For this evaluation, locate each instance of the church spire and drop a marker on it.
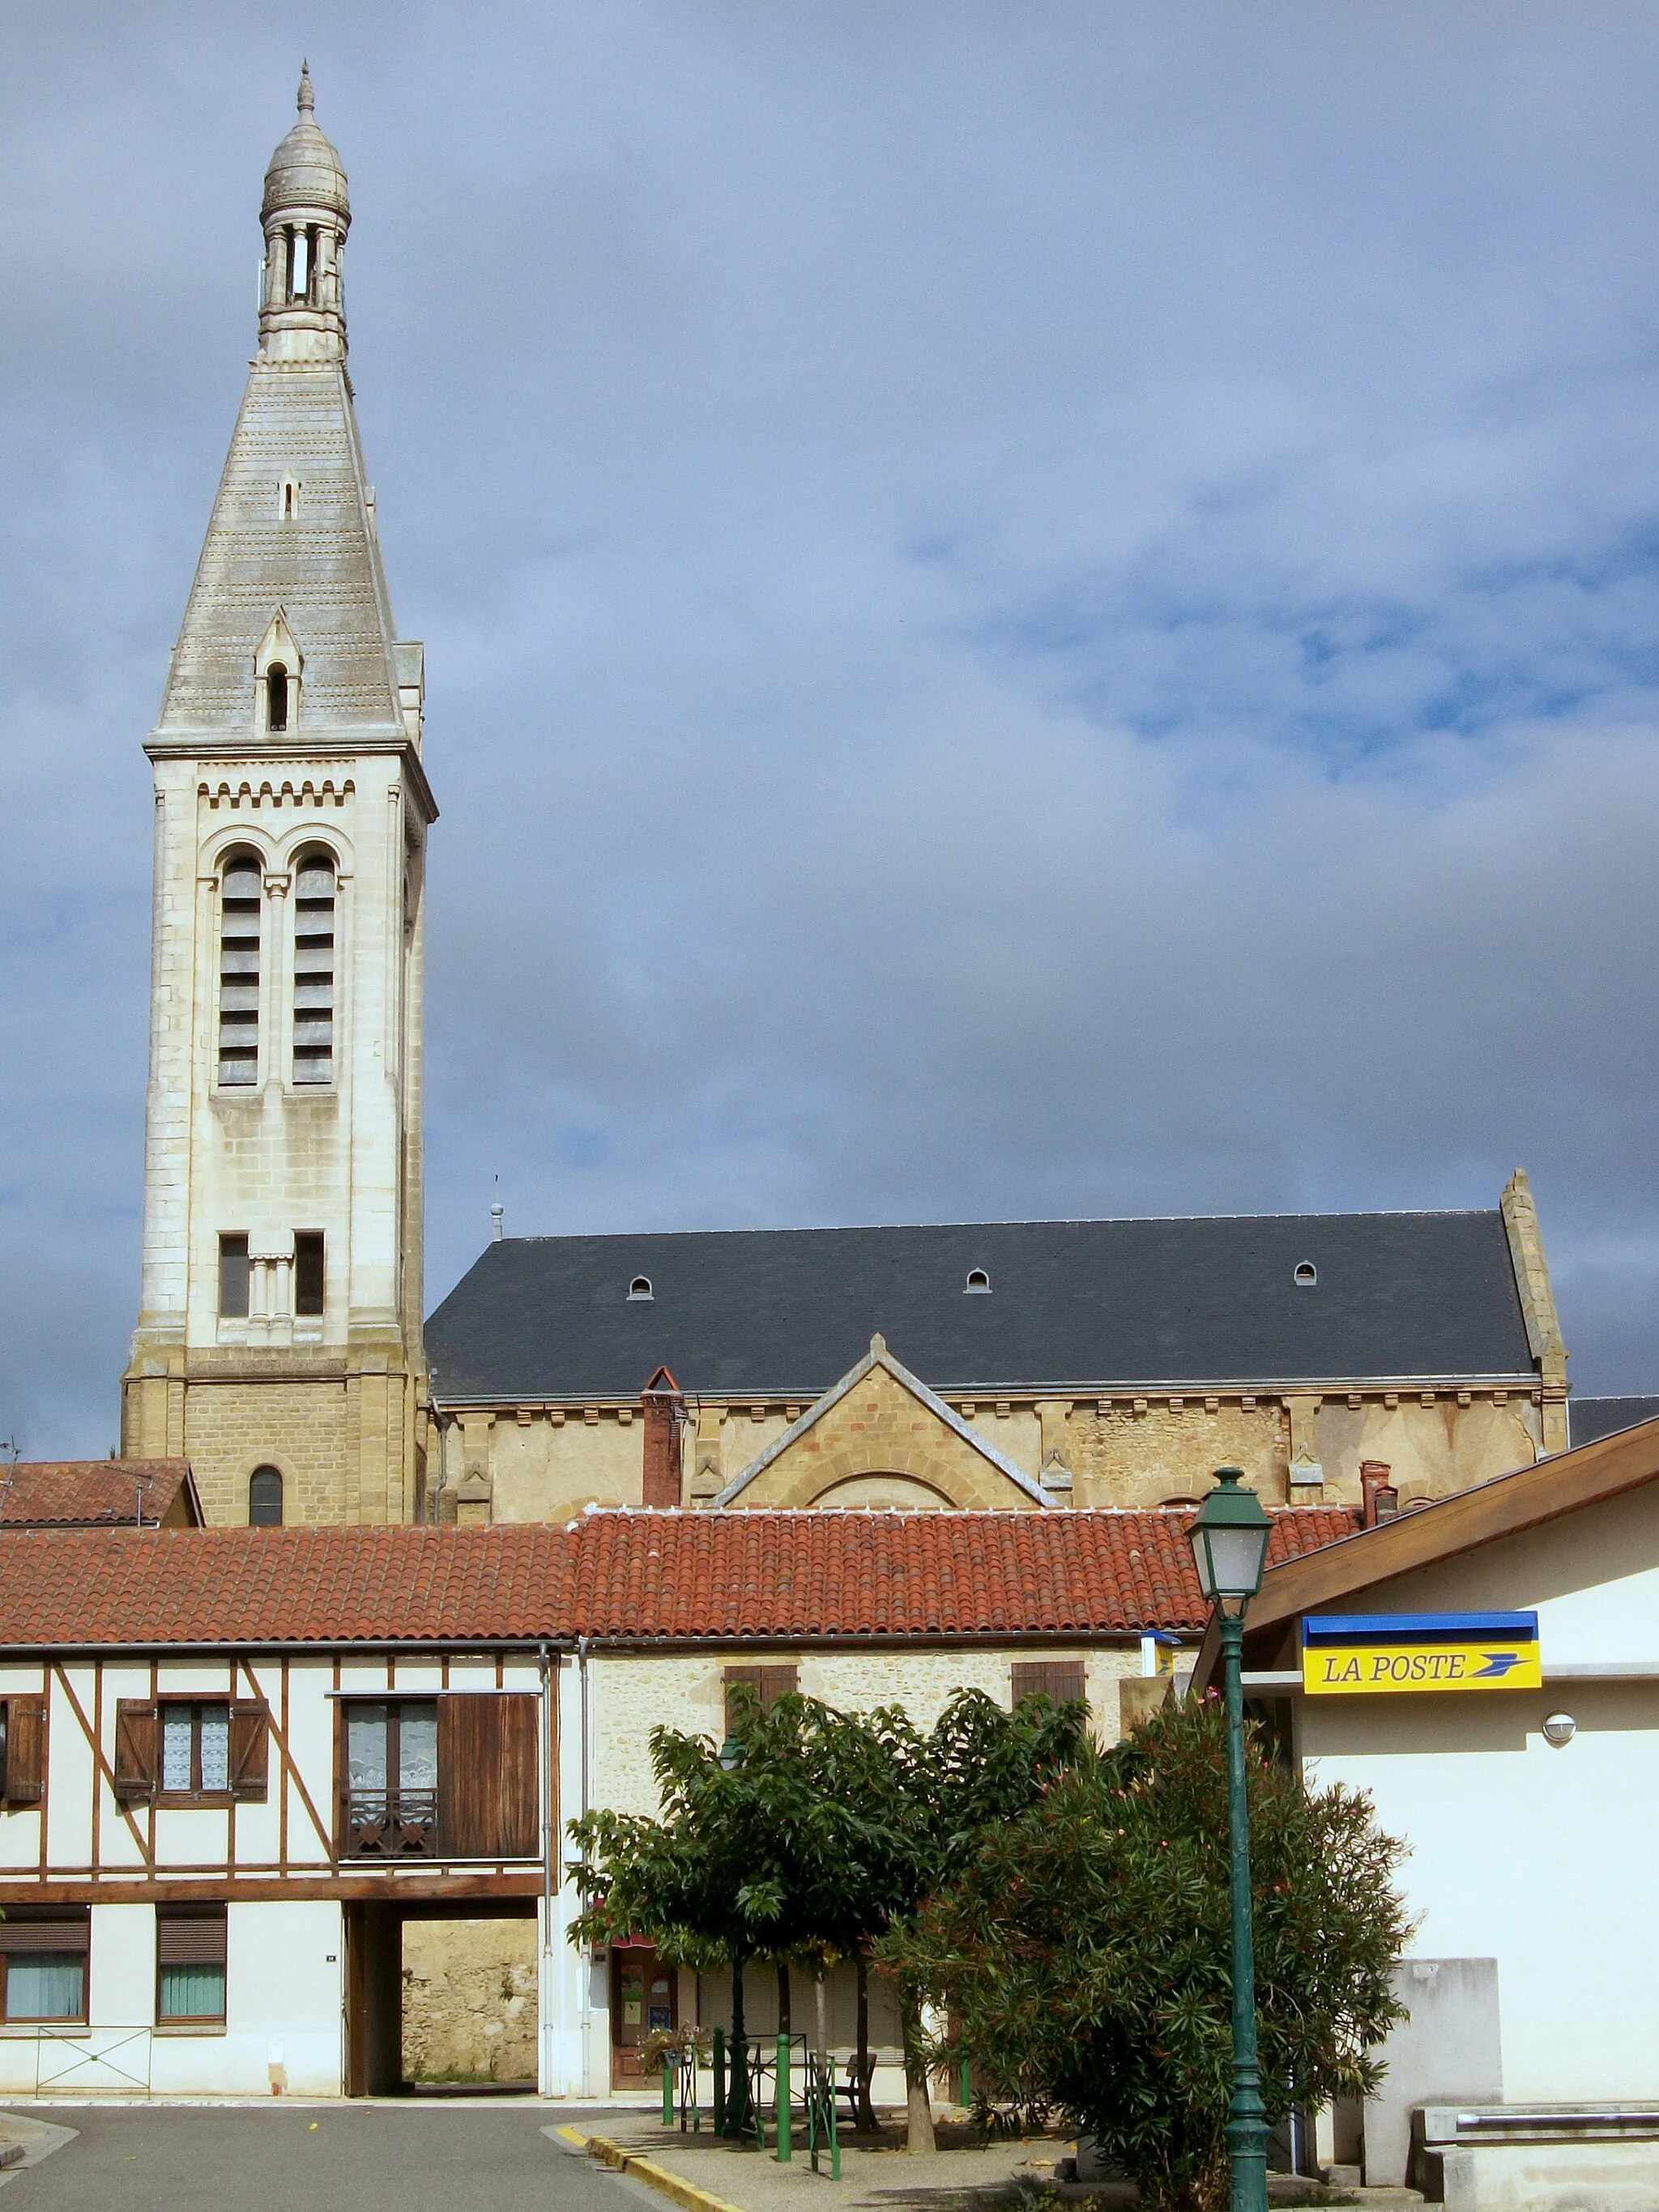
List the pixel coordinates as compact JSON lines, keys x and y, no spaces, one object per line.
{"x":307,"y":213}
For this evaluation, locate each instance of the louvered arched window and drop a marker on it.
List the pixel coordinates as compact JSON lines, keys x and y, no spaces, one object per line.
{"x":238,"y":969}
{"x":314,"y":969}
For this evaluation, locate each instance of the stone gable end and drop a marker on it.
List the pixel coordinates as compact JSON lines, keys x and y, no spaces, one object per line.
{"x":880,"y":1445}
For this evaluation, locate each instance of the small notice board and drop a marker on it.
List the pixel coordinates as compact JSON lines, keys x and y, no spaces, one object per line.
{"x":1372,"y":1654}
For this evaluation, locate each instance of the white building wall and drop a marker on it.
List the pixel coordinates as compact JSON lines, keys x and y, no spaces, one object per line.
{"x":1539,"y":1857}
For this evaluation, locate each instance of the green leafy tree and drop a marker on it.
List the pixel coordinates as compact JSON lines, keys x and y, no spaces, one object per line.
{"x":1082,"y":1949}
{"x":825,"y":1831}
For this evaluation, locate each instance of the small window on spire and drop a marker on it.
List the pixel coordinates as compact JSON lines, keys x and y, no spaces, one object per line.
{"x":287,"y":500}
{"x":300,"y":243}
{"x":277,"y":697}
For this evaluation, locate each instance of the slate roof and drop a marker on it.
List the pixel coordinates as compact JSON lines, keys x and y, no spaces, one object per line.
{"x":1074,"y":1306}
{"x":95,"y":1492}
{"x":632,"y":1574}
{"x":1590,"y":1418}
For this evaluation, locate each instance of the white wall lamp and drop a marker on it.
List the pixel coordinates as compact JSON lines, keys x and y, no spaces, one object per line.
{"x":1559,"y":1729}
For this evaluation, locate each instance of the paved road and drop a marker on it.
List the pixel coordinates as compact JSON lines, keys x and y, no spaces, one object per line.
{"x":352,"y":2158}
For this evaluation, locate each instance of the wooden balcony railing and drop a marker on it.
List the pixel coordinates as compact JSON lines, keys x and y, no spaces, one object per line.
{"x":391,"y":1824}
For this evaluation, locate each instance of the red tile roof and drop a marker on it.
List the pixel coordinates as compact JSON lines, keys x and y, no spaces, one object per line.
{"x":671,"y":1575}
{"x":788,"y":1575}
{"x":92,"y":1493}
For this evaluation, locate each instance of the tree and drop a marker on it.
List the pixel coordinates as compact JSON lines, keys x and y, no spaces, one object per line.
{"x":827,"y":1830}
{"x":1082,"y":1950}
{"x":787,"y":1852}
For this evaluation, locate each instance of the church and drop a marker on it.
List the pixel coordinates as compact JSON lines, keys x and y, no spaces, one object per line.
{"x":281,"y":1346}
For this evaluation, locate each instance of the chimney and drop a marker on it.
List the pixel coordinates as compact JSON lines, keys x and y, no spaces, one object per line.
{"x":663,"y":1413}
{"x":1379,"y":1499}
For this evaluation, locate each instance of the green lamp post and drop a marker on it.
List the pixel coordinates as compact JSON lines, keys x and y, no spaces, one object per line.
{"x":1229,"y":1547}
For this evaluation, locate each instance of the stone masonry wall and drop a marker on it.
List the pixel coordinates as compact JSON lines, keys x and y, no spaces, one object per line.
{"x":231,"y":1428}
{"x":469,"y":1991}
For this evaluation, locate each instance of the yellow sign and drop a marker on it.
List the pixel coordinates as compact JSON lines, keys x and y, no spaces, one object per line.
{"x":1360,"y":1654}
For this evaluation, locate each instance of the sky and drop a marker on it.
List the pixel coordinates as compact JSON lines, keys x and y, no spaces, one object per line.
{"x":1031,"y":609}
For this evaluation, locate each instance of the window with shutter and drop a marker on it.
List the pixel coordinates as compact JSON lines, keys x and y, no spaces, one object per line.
{"x":44,"y":1957}
{"x":190,"y":1965}
{"x":488,"y":1780}
{"x":388,"y":1766}
{"x":250,"y":1736}
{"x":25,"y":1722}
{"x":1058,"y":1680}
{"x":769,"y":1683}
{"x":138,"y":1747}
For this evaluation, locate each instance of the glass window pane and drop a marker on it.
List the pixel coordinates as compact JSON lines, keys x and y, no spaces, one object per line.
{"x":417,"y":1748}
{"x":365,"y":1747}
{"x":215,"y":1746}
{"x":44,"y":1986}
{"x":193,"y":1992}
{"x":175,"y":1747}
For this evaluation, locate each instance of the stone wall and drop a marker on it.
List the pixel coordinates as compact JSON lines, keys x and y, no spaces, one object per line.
{"x":469,"y":2000}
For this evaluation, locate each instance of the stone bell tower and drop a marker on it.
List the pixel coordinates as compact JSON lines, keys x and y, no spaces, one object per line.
{"x":278,"y":1347}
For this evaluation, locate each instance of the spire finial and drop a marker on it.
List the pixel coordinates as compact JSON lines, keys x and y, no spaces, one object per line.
{"x":308,"y":98}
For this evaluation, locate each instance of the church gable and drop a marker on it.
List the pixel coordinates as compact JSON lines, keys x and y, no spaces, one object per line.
{"x":881,"y":1438}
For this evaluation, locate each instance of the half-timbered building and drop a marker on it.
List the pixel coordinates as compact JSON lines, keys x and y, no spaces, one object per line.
{"x":245,"y":1772}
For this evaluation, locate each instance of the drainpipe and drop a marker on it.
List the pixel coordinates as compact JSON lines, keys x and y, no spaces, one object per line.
{"x":587,"y":1971}
{"x":549,"y":2011}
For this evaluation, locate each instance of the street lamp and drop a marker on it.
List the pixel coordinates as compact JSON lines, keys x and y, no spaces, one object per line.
{"x":1230,"y":1549}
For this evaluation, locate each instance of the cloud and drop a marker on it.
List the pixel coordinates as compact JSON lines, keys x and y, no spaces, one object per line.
{"x":1035,"y":611}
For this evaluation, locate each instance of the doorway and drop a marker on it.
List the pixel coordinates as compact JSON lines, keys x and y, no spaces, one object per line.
{"x":644,"y":2002}
{"x":436,"y":2005}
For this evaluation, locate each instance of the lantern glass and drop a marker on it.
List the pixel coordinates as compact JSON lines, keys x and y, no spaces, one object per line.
{"x":1230,"y":1540}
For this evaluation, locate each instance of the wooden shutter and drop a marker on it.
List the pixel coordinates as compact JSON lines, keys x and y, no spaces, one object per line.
{"x":250,"y":1737}
{"x":1060,"y":1679}
{"x":137,"y":1742}
{"x":25,"y":1747}
{"x":770,"y":1683}
{"x":191,"y":1939}
{"x":488,"y":1797}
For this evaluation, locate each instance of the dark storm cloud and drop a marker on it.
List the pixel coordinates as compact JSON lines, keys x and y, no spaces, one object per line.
{"x":1028,"y":610}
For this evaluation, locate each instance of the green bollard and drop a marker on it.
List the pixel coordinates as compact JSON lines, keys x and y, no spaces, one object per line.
{"x":966,"y":2085}
{"x":719,"y":2081}
{"x":783,"y":2100}
{"x":667,"y":2091}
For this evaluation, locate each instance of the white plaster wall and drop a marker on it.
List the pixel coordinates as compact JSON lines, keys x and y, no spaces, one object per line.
{"x":1540,"y":1858}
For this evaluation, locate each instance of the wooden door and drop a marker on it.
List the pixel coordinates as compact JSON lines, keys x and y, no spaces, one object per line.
{"x":644,"y":2000}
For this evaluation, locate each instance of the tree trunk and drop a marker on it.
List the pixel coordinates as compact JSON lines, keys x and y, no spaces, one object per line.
{"x":737,"y":2102}
{"x":918,"y":2112}
{"x":783,"y":1996}
{"x":867,"y":2116}
{"x":821,"y":2004}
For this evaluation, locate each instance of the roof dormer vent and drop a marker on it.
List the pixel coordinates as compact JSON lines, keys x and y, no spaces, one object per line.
{"x":978,"y":1281}
{"x":1306,"y":1276}
{"x":641,"y":1287}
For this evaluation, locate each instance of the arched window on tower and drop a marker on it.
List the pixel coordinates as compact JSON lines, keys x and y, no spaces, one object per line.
{"x":301,"y":262}
{"x":277,"y":697}
{"x":238,"y":969}
{"x":314,"y":969}
{"x":264,"y":1498}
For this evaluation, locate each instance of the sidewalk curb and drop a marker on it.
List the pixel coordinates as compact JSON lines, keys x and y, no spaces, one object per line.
{"x":680,"y":2191}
